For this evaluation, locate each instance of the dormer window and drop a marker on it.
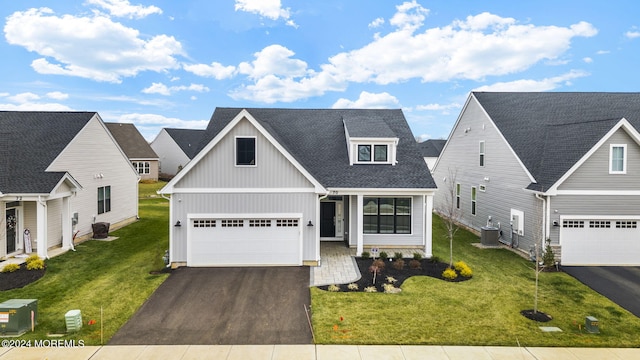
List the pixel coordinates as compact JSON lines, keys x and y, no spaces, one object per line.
{"x":379,"y":153}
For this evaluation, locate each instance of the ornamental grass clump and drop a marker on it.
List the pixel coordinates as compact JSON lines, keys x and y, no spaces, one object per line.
{"x":449,"y":274}
{"x":463,"y":269}
{"x":9,"y":268}
{"x":370,"y":289}
{"x":353,"y":287}
{"x":415,"y":264}
{"x":398,"y":264}
{"x":390,"y":289}
{"x":376,"y":268}
{"x":333,"y":288}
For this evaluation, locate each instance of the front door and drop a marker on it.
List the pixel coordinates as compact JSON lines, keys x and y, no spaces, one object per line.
{"x":327,"y":219}
{"x":12,"y":232}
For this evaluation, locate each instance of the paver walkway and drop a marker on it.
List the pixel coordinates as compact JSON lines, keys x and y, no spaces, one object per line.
{"x":338,"y":266}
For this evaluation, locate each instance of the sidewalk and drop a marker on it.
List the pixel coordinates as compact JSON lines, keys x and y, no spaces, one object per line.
{"x":319,"y":352}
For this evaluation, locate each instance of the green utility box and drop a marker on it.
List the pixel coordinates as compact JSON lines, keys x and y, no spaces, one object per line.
{"x":17,"y":316}
{"x":591,"y":325}
{"x":73,"y":319}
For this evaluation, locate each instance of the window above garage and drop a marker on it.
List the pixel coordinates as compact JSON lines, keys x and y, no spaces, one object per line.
{"x":618,"y":159}
{"x":245,"y":151}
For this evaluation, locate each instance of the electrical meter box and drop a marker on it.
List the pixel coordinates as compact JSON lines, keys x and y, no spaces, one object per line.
{"x":591,"y":325}
{"x":17,"y":316}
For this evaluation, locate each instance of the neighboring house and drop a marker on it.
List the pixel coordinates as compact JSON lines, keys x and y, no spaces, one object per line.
{"x":268,"y":185}
{"x":59,"y":173}
{"x":175,"y":148}
{"x":557,"y":166}
{"x":137,"y":149}
{"x":431,"y":150}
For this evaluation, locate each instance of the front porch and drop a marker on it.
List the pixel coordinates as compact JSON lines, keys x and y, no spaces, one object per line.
{"x":338,"y":265}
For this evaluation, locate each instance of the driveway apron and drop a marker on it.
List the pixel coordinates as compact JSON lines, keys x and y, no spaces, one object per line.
{"x":223,"y":306}
{"x":621,"y":284}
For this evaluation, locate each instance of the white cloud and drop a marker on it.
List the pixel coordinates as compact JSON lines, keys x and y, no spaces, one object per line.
{"x":438,"y":107}
{"x":271,"y":9}
{"x":632,"y":34}
{"x":122,"y":8}
{"x":587,"y":60}
{"x":162,"y":89}
{"x":471,"y":49}
{"x":368,"y":100}
{"x":215,"y":70}
{"x":603,"y":52}
{"x":535,"y":85}
{"x":57,"y":95}
{"x":28,"y":101}
{"x":91,"y":47}
{"x":376,"y":23}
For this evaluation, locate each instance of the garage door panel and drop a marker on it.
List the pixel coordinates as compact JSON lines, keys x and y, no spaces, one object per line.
{"x":600,"y":242}
{"x":244,"y":242}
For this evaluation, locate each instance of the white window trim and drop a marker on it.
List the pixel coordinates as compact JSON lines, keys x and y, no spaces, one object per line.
{"x":410,"y":233}
{"x":624,"y":158}
{"x":235,"y":151}
{"x":474,"y":201}
{"x":458,"y":191}
{"x":391,"y":144}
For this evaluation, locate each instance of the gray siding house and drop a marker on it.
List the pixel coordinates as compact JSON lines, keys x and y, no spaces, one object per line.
{"x":268,"y":185}
{"x":60,"y":172}
{"x":175,"y":148}
{"x":557,"y":166}
{"x":137,"y":149}
{"x":431,"y":150}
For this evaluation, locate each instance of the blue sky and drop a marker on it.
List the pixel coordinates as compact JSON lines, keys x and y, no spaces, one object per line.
{"x":169,"y":63}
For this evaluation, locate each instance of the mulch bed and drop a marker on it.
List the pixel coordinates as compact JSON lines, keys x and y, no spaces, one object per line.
{"x":538,"y":316}
{"x":427,"y":268}
{"x":19,"y":278}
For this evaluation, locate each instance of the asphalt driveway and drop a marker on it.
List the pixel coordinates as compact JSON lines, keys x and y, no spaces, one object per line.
{"x":212,"y":306}
{"x":621,"y":284}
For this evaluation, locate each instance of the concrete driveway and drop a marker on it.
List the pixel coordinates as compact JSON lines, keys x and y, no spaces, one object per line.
{"x":222,"y":306}
{"x":621,"y":284}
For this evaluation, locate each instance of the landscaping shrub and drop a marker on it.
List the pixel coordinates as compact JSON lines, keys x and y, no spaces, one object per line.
{"x":417,"y":256}
{"x":463,"y":268}
{"x":398,"y":264}
{"x":434,"y":259}
{"x":352,"y":287}
{"x":384,"y":255}
{"x":390,"y":289}
{"x":9,"y":268}
{"x":365,"y":255}
{"x":31,"y":258}
{"x":37,"y":264}
{"x":415,"y":264}
{"x":391,"y":280}
{"x":549,"y":258}
{"x":333,"y":288}
{"x":379,"y":264}
{"x":370,"y":289}
{"x":449,"y":274}
{"x":397,"y":255}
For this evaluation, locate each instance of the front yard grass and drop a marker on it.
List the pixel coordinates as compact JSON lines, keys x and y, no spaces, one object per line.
{"x":112,"y":276}
{"x":482,"y":311}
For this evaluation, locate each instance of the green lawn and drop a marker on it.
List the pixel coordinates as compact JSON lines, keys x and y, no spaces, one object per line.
{"x":482,"y":311}
{"x":112,"y":276}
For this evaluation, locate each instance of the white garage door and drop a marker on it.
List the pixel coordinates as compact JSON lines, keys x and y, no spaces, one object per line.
{"x":600,"y":241}
{"x":244,"y":241}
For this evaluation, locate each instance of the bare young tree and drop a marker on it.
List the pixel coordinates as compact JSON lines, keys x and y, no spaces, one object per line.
{"x":451,"y":209}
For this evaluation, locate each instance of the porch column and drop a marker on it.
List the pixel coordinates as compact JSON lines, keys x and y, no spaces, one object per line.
{"x":428,"y":216}
{"x":359,"y":225}
{"x":67,"y":232}
{"x":41,"y":228}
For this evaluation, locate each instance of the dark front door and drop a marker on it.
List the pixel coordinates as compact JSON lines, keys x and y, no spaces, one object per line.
{"x":11,"y":222}
{"x":327,"y":219}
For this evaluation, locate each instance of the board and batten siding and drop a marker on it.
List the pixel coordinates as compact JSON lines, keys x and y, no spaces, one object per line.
{"x":593,"y":174}
{"x":171,"y":156}
{"x":217,"y":168}
{"x":93,"y":152}
{"x":416,"y":238}
{"x":243,"y":203}
{"x":502,"y":176}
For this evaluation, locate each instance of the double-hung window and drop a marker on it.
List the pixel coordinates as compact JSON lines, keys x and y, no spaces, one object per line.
{"x":481,"y":152}
{"x":618,"y":159}
{"x":474,"y":197}
{"x":458,"y":190}
{"x":245,"y":151}
{"x":143,"y":167}
{"x":387,"y":215}
{"x":104,"y":199}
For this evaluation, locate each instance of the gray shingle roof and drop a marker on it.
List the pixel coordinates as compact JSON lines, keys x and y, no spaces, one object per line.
{"x":316,"y":138}
{"x":131,"y":141}
{"x":187,"y":139}
{"x":431,"y":147}
{"x":551,"y":131}
{"x":29,"y":142}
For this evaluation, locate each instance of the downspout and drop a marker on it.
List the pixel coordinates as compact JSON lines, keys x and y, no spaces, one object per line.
{"x":162,"y":195}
